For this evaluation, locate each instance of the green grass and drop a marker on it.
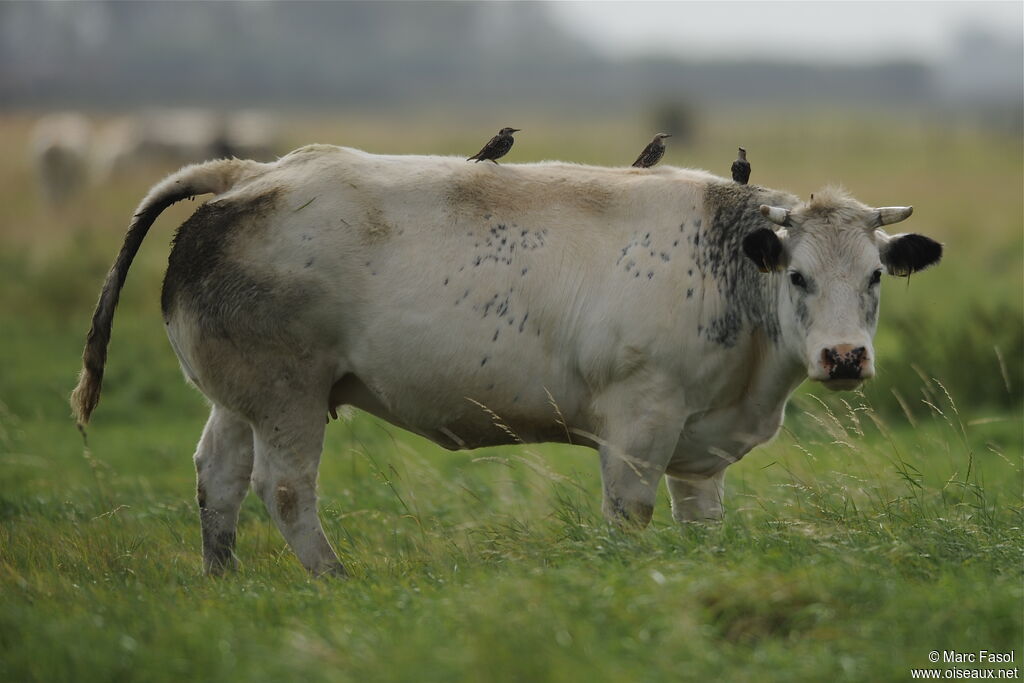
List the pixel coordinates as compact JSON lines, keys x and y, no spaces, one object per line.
{"x":875,"y":528}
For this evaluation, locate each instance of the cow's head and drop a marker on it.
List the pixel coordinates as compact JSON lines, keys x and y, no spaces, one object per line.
{"x":829,"y":256}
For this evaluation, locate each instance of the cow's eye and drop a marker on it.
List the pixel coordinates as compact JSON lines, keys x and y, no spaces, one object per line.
{"x":797,"y":279}
{"x":876,"y":277}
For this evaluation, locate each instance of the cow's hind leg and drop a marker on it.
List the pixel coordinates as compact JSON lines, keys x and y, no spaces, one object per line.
{"x":223,"y":466}
{"x":288,"y":448}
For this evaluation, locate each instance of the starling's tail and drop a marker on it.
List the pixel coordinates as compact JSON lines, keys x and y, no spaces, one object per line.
{"x":212,"y":176}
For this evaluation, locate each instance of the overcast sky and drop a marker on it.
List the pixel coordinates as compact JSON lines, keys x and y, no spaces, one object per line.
{"x":805,"y":31}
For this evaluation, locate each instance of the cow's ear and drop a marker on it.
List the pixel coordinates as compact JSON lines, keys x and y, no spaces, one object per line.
{"x":907,"y":253}
{"x":764,"y":248}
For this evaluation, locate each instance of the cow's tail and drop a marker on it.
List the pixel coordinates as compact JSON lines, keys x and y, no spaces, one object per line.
{"x":213,"y":176}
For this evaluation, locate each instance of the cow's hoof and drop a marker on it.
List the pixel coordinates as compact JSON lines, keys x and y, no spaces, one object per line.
{"x":628,"y":515}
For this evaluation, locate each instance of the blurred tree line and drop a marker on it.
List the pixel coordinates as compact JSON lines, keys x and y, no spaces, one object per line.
{"x":114,"y":55}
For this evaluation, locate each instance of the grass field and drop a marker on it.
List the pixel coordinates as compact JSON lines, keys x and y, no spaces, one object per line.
{"x":876,"y":528}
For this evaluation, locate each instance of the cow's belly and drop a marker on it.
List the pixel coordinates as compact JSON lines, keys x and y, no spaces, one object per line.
{"x":462,"y":392}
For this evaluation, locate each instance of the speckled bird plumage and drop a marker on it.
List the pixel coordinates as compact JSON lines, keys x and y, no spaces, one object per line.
{"x":652,"y":153}
{"x":496,"y":147}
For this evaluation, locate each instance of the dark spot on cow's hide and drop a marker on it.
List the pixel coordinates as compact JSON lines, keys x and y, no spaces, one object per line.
{"x":287,"y":503}
{"x":869,"y":306}
{"x":446,"y":282}
{"x":230,"y":298}
{"x":734,"y":212}
{"x":689,"y":293}
{"x":803,"y":315}
{"x":495,"y":337}
{"x":502,"y":307}
{"x":488,"y":304}
{"x":309,"y":263}
{"x":201,"y":495}
{"x":483,"y":361}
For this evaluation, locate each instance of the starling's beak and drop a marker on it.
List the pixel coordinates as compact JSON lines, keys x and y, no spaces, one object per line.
{"x":516,"y":130}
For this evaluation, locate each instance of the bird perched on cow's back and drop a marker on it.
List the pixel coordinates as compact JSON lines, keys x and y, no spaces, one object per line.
{"x":741,"y":168}
{"x":496,"y":147}
{"x":653,"y":152}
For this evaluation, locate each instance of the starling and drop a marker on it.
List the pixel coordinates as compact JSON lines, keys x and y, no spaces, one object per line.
{"x":653,"y":152}
{"x":497,"y":147}
{"x":741,"y":168}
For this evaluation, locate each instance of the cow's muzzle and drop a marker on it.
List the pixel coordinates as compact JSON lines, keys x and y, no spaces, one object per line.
{"x":844,"y":366}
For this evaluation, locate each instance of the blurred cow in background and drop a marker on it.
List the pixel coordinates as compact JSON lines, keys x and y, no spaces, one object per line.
{"x":60,"y":147}
{"x":174,"y":137}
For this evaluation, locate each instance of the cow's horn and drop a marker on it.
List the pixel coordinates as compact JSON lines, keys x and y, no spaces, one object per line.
{"x":775,"y":214}
{"x":887,"y":215}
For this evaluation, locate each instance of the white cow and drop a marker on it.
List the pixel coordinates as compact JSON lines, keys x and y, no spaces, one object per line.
{"x":60,"y":145}
{"x":662,"y":316}
{"x":181,"y":136}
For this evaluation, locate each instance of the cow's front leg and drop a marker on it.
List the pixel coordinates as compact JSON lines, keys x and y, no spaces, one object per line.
{"x":223,"y":466}
{"x":697,"y":499}
{"x":630,"y":485}
{"x":638,"y":444}
{"x":284,"y":476}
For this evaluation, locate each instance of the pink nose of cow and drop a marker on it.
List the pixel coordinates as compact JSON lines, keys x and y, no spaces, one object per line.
{"x":844,"y":361}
